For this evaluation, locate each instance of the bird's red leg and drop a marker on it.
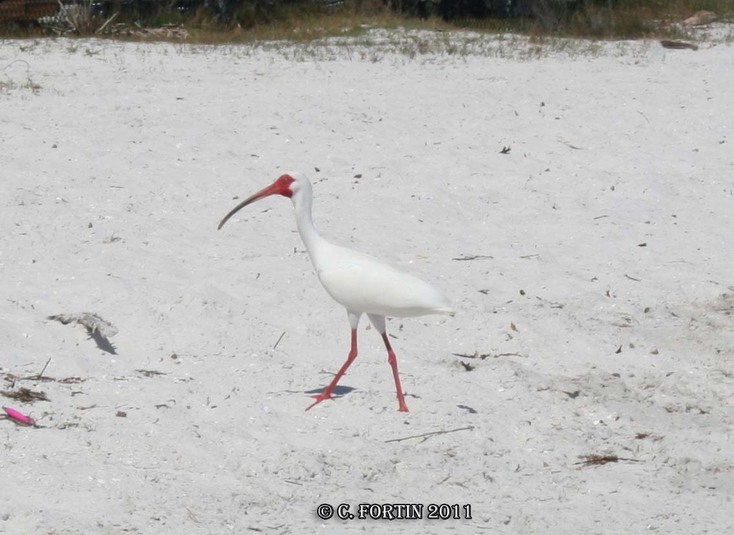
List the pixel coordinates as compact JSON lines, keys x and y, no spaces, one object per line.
{"x":326,"y":394}
{"x":394,"y":365}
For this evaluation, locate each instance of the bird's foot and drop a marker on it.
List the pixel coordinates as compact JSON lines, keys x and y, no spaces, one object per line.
{"x":403,"y":407}
{"x":319,"y":398}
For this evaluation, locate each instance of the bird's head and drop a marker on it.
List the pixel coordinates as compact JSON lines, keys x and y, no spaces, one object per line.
{"x":288,"y":185}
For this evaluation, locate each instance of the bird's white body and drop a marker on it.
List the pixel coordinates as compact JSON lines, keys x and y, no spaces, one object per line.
{"x":359,"y":282}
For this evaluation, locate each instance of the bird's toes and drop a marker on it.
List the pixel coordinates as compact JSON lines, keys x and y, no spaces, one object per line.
{"x":319,"y":398}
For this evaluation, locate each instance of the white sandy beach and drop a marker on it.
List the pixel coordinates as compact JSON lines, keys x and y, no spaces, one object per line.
{"x":591,"y":268}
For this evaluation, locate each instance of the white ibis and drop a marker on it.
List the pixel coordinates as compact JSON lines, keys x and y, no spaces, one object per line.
{"x":359,"y":282}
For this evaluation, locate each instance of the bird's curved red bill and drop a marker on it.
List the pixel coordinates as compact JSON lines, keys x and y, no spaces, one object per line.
{"x":276,"y":188}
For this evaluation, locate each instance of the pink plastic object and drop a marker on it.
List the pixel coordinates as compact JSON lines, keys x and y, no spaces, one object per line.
{"x":18,"y":417}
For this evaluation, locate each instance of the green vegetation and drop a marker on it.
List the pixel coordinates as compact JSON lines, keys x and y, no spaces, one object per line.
{"x":306,"y":20}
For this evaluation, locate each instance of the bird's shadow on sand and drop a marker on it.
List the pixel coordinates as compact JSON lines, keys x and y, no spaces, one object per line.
{"x":338,"y":391}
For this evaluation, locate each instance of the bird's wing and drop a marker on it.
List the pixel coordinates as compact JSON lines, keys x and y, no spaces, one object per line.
{"x":362,"y":283}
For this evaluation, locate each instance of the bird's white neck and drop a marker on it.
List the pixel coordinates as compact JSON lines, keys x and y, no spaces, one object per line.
{"x":302,"y":201}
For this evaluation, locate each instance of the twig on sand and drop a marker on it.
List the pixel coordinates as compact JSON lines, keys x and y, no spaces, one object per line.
{"x":569,"y":145}
{"x":596,"y":460}
{"x":150,"y":373}
{"x":44,"y":367}
{"x":476,"y":355}
{"x":483,"y":356}
{"x":279,"y":339}
{"x":426,"y":436}
{"x":38,"y":376}
{"x":472,"y":257}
